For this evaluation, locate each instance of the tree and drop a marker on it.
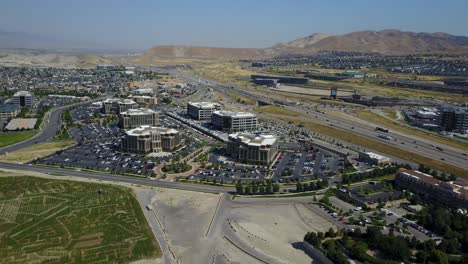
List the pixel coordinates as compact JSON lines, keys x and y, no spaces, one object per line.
{"x":299,"y":187}
{"x":276,"y":187}
{"x":239,"y":188}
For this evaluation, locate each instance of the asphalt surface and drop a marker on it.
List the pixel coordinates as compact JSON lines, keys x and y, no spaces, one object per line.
{"x":411,"y":143}
{"x":51,"y":124}
{"x":117,"y":178}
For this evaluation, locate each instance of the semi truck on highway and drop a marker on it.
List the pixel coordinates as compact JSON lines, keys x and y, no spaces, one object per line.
{"x":381,"y":129}
{"x":384,"y":137}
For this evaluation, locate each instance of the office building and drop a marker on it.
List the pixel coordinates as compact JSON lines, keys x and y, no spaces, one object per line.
{"x":454,"y":119}
{"x":23,"y":99}
{"x":252,"y":148}
{"x":453,"y":193}
{"x":202,"y":110}
{"x":117,"y":106}
{"x":148,"y":139}
{"x":234,"y":121}
{"x":144,"y":100}
{"x":133,"y":118}
{"x":8,"y":111}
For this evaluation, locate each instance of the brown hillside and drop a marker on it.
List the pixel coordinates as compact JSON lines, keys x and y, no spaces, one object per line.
{"x":192,"y":52}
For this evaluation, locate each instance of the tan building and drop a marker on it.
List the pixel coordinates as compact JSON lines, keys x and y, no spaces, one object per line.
{"x":133,"y":118}
{"x":251,"y":148}
{"x":144,"y":100}
{"x":146,"y":139}
{"x":8,"y":111}
{"x":453,"y":193}
{"x":116,"y":106}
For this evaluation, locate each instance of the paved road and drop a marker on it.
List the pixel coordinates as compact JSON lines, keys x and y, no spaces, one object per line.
{"x":51,"y":124}
{"x":411,"y":143}
{"x":118,"y":178}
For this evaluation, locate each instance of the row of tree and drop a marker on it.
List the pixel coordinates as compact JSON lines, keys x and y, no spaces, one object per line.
{"x":266,"y":187}
{"x":311,"y":186}
{"x":441,"y":176}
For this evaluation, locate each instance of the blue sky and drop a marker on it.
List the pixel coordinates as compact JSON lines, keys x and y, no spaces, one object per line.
{"x":139,"y":24}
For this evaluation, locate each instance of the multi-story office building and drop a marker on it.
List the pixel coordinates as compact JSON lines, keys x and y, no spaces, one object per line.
{"x":8,"y":111}
{"x":146,"y":139}
{"x":144,"y":100}
{"x":133,"y":118}
{"x":234,"y":121}
{"x":117,"y":106}
{"x":454,"y":119}
{"x":251,"y":148}
{"x":23,"y":99}
{"x":202,"y":110}
{"x":454,"y":193}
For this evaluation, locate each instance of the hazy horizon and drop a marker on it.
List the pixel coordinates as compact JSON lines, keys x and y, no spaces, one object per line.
{"x":141,"y":24}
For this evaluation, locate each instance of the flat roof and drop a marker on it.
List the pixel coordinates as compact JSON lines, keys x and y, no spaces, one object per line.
{"x":254,"y":139}
{"x":139,"y":111}
{"x":18,"y":123}
{"x":376,"y":156}
{"x":234,"y":114}
{"x":148,"y":130}
{"x":204,"y":105}
{"x":119,"y":101}
{"x":8,"y":108}
{"x":22,"y":93}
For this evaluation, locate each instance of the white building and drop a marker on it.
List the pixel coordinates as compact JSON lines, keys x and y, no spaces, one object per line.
{"x":234,"y":121}
{"x":146,"y":139}
{"x":202,"y":110}
{"x":23,"y":99}
{"x":133,"y":118}
{"x":117,"y":106}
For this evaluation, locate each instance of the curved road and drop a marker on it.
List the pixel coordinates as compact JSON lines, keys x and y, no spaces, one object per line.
{"x":51,"y":124}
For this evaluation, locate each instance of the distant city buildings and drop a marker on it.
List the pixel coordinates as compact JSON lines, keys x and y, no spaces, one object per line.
{"x":234,"y":121}
{"x":202,"y":110}
{"x":117,"y":106}
{"x":252,"y":148}
{"x":8,"y":111}
{"x":133,"y":118}
{"x":23,"y":99}
{"x":454,"y":193}
{"x":147,"y":139}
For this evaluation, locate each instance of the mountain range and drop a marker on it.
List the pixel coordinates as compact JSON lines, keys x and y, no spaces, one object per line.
{"x":385,"y":41}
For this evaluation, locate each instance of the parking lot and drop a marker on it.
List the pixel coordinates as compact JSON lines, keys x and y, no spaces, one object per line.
{"x":305,"y":165}
{"x":231,"y":174}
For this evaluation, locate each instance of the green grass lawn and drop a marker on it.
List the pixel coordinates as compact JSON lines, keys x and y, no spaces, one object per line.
{"x":56,"y":221}
{"x":8,"y":138}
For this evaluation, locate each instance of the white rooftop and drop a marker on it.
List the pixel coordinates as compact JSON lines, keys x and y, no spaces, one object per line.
{"x":376,"y":156}
{"x":255,"y":140}
{"x":120,"y":101}
{"x":204,"y":105}
{"x":139,"y":111}
{"x":148,"y":130}
{"x":22,"y":93}
{"x":234,"y":114}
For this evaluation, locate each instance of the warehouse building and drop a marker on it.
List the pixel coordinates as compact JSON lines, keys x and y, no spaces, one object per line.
{"x":23,"y":99}
{"x":234,"y":121}
{"x":8,"y":111}
{"x":133,"y":118}
{"x":202,"y":110}
{"x":148,"y":139}
{"x":373,"y":158}
{"x":116,"y":106}
{"x":252,"y":148}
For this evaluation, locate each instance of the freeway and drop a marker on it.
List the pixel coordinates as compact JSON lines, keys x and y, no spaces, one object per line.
{"x":117,"y":178}
{"x":51,"y":124}
{"x":411,"y":143}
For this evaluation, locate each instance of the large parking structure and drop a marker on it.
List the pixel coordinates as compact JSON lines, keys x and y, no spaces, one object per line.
{"x":56,"y":221}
